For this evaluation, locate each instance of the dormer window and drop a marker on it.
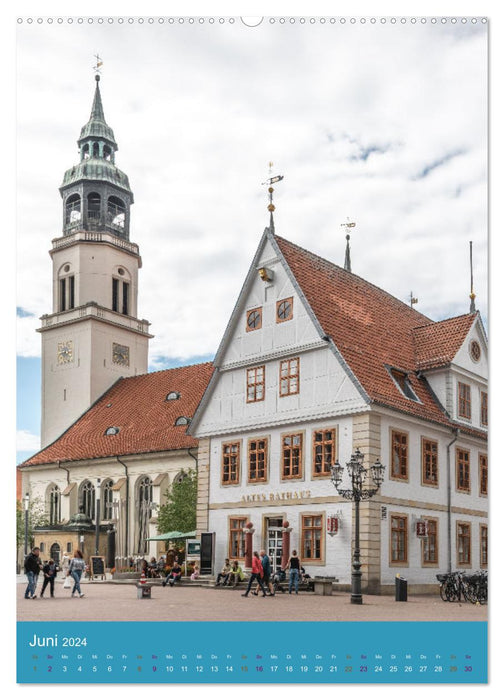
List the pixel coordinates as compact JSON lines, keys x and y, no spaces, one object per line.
{"x":112,"y":430}
{"x":403,"y":383}
{"x":182,"y":420}
{"x":172,"y":396}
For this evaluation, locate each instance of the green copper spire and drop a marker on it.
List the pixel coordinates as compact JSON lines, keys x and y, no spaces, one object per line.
{"x":97,"y":127}
{"x":96,"y":194}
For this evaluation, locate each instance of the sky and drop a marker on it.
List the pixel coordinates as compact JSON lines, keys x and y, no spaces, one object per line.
{"x":382,"y":124}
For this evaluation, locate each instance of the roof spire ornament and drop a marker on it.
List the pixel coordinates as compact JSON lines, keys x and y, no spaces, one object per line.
{"x":271,"y":207}
{"x":96,"y":68}
{"x":349,"y":224}
{"x":472,"y":295}
{"x":412,"y":300}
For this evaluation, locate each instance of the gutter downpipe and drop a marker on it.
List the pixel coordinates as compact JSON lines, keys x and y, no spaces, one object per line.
{"x":456,"y":433}
{"x":68,"y":483}
{"x":126,"y":534}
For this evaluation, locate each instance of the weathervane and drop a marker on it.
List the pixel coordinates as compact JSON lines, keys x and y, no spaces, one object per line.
{"x":412,"y":299}
{"x":99,"y":64}
{"x":270,"y":181}
{"x":472,"y":295}
{"x":349,"y":224}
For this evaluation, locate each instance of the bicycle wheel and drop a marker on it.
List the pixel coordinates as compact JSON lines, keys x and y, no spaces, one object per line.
{"x":451,"y":591}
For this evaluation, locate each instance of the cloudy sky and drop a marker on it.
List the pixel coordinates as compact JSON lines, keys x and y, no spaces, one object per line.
{"x":383,"y":123}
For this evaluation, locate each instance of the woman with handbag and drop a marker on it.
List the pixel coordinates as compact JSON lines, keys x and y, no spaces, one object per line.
{"x":75,"y":570}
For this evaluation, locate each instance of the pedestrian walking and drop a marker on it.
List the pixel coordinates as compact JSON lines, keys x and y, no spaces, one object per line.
{"x":266,"y":577}
{"x":32,"y":567}
{"x":49,"y":570}
{"x":75,"y":570}
{"x":257,"y":573}
{"x":294,"y":570}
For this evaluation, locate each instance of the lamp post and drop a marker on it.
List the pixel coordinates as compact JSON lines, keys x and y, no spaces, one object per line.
{"x":97,"y":518}
{"x":26,"y":500}
{"x":357,"y":493}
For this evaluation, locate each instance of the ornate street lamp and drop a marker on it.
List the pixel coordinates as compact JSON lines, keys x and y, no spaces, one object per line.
{"x":357,"y":493}
{"x":97,"y":518}
{"x":26,"y":500}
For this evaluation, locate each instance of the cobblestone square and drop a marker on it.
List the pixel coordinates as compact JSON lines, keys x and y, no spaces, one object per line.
{"x":118,"y":602}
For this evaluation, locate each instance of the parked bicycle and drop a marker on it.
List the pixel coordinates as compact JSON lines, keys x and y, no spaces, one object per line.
{"x":456,"y":585}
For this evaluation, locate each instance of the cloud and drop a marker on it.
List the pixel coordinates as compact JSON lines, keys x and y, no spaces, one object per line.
{"x":27,"y":442}
{"x":382,"y":124}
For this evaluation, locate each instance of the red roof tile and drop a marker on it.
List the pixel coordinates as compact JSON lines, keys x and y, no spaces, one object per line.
{"x":371,"y":329}
{"x":137,"y":406}
{"x":437,"y":343}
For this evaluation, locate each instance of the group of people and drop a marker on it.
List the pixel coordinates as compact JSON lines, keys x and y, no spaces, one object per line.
{"x":230,"y":574}
{"x":261,"y":574}
{"x":34,"y":567}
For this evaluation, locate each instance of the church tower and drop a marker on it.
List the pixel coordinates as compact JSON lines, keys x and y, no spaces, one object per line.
{"x":93,"y":336}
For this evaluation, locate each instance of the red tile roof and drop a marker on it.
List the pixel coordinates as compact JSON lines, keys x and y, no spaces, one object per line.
{"x":437,"y":343}
{"x":372,"y":330}
{"x":137,"y":406}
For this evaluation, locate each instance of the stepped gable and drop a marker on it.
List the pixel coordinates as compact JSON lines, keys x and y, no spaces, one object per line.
{"x":138,"y":407}
{"x":436,"y":344}
{"x":370,"y":328}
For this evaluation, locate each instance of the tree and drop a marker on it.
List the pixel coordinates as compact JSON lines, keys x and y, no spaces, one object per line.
{"x":37,"y":517}
{"x":179,"y":511}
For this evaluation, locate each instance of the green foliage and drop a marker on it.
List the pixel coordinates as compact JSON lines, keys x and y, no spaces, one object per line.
{"x":37,"y":517}
{"x":179,"y":511}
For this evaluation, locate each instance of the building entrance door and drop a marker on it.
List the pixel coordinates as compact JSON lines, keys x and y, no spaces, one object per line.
{"x":274,"y":542}
{"x":55,"y":553}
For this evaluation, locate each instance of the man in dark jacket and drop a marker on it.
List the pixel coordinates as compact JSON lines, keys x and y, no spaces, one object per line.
{"x":32,"y":566}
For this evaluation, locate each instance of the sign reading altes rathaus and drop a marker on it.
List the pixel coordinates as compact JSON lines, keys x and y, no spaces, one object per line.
{"x":283,"y":496}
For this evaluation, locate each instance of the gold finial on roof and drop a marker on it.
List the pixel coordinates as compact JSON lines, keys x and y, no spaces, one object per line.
{"x":270,"y":181}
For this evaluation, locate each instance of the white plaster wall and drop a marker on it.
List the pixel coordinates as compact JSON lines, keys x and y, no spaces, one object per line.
{"x":413,"y":489}
{"x":414,"y":571}
{"x":93,"y":265}
{"x":337,"y":547}
{"x":325,"y":389}
{"x":69,"y":389}
{"x":463,"y":357}
{"x":299,"y":331}
{"x":36,"y":481}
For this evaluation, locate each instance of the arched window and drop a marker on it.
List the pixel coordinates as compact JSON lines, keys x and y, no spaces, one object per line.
{"x":87,"y":498}
{"x":181,"y":476}
{"x":72,"y":209}
{"x":54,"y":505}
{"x":144,"y":512}
{"x":172,"y":396}
{"x":93,"y":206}
{"x":85,"y":151}
{"x":182,"y":420}
{"x":56,"y":553}
{"x":107,"y":153}
{"x":96,"y":150}
{"x":116,"y":212}
{"x":107,"y":499}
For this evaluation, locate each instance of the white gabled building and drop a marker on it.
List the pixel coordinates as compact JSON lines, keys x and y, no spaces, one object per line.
{"x":314,"y":363}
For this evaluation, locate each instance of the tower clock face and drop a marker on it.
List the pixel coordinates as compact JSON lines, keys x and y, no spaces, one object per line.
{"x":120,"y":354}
{"x":65,"y":352}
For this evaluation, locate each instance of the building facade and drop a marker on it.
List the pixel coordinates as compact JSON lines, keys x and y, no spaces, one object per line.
{"x":316,"y":362}
{"x":93,"y":335}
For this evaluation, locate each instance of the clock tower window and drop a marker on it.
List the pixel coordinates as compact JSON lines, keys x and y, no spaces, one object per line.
{"x":120,"y":296}
{"x":66,"y":293}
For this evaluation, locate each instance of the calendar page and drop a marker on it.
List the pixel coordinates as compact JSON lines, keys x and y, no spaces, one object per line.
{"x":252,"y":349}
